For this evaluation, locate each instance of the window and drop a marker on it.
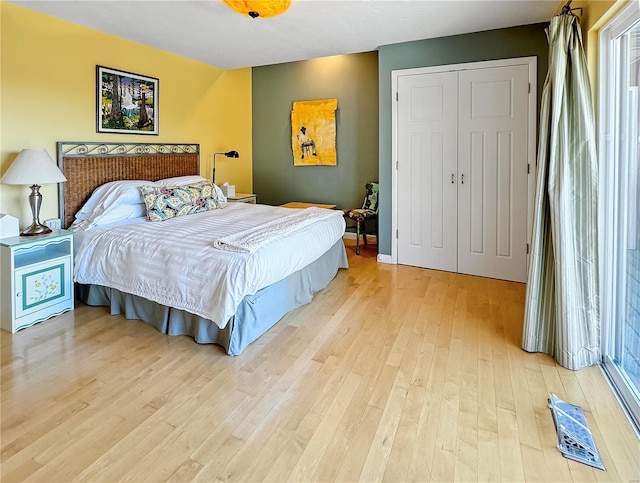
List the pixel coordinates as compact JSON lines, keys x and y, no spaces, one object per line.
{"x":620,"y":204}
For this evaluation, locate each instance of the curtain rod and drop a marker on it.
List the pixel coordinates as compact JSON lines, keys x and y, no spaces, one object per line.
{"x":567,"y":10}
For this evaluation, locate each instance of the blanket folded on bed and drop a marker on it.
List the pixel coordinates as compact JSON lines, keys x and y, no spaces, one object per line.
{"x":250,"y":240}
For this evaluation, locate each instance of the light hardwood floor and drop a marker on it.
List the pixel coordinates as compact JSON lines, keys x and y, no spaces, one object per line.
{"x":392,"y":373}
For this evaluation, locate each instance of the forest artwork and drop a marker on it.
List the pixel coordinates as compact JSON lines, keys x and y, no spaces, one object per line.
{"x":313,"y":132}
{"x":127,"y":103}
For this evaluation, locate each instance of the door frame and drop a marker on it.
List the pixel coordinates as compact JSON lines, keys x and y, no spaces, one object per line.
{"x":531,"y":62}
{"x":611,"y":236}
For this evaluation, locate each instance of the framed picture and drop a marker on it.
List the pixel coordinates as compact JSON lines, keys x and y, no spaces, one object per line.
{"x":313,"y":132}
{"x":127,"y":103}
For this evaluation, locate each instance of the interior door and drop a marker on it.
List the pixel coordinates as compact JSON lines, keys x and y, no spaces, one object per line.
{"x":427,"y":153}
{"x":492,"y":167}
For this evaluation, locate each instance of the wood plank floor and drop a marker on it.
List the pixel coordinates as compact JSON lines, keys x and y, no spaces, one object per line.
{"x":392,"y":373}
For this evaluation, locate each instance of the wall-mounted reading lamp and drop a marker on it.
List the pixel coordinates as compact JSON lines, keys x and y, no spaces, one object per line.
{"x":228,"y":154}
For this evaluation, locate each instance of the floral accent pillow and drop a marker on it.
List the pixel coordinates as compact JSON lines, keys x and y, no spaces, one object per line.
{"x":165,"y":202}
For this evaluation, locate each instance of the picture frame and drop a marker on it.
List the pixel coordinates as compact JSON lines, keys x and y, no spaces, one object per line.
{"x":126,"y":103}
{"x":313,"y":132}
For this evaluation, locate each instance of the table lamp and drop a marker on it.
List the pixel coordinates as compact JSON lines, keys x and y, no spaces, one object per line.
{"x":228,"y":154}
{"x":34,"y":167}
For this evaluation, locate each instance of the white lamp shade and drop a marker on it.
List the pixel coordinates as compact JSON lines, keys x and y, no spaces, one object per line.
{"x":33,"y":166}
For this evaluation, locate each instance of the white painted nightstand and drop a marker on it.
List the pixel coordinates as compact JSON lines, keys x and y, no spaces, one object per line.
{"x":37,"y":278}
{"x":243,"y":198}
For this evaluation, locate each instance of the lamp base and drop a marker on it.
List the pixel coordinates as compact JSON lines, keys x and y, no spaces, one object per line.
{"x":36,"y":229}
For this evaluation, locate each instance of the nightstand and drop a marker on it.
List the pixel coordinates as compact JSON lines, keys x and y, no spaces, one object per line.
{"x":37,"y":278}
{"x":242,"y":198}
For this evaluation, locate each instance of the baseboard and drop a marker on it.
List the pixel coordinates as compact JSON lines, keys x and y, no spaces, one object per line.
{"x":382,"y":258}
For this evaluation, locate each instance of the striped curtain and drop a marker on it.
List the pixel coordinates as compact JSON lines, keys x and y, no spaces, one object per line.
{"x":562,"y":315}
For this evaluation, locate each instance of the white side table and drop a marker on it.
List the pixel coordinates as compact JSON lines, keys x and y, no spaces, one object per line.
{"x":242,"y":198}
{"x":37,"y":278}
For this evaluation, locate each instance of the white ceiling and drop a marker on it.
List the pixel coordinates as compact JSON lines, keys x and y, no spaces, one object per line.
{"x":208,"y":31}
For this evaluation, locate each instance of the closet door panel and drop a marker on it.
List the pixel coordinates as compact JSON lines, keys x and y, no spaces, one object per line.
{"x":492,"y":166}
{"x":427,"y":159}
{"x":476,"y":182}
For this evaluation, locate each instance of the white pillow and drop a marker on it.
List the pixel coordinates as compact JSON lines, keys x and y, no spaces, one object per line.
{"x":112,"y":193}
{"x":116,"y":200}
{"x":222,"y":199}
{"x":180,"y":180}
{"x":120,"y":212}
{"x":191,"y":179}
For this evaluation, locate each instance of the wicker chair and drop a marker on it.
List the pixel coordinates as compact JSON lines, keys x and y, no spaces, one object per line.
{"x":369,"y":211}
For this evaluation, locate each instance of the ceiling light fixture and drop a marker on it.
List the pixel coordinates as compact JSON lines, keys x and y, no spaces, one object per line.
{"x":259,"y":8}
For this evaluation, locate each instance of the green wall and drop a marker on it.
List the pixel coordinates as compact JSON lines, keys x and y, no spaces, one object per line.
{"x":362,"y":85}
{"x":353,"y":81}
{"x":525,"y":41}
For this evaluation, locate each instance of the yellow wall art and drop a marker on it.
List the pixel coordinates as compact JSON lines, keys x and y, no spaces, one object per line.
{"x":313,"y":132}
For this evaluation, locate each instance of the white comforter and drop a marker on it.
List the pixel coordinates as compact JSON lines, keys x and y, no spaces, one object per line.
{"x":174,"y":262}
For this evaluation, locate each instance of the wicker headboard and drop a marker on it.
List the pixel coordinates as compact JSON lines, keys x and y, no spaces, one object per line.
{"x":88,"y":165}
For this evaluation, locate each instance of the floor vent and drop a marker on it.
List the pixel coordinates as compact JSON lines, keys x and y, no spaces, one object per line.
{"x":575,"y":440}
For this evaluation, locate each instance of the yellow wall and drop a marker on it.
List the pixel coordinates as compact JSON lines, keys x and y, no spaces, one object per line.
{"x":48,"y":89}
{"x":595,"y":15}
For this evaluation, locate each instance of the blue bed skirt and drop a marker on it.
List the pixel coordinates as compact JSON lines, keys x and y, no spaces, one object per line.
{"x":256,"y":314}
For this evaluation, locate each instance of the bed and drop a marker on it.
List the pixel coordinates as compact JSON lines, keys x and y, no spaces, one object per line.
{"x":223,"y":274}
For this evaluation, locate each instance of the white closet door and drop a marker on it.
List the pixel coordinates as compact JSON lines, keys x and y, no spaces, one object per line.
{"x":427,"y":158}
{"x":492,"y":168}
